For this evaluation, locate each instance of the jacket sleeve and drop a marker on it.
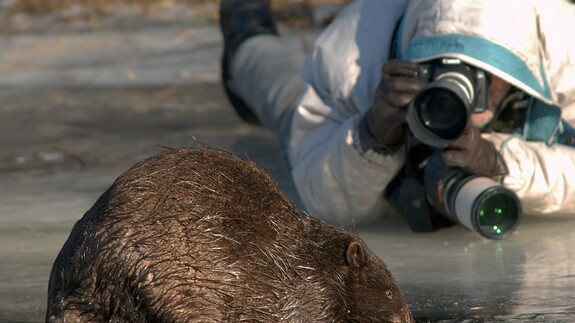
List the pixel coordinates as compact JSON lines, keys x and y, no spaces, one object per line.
{"x":334,"y":179}
{"x":542,"y":176}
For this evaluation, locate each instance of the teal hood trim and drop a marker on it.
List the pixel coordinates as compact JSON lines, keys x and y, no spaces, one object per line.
{"x":479,"y":49}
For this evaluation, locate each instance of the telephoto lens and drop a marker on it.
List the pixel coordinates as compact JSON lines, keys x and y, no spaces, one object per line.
{"x":481,"y":204}
{"x":478,"y":203}
{"x":439,"y":114}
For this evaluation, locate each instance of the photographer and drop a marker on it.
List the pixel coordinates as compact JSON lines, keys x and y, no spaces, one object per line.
{"x":344,"y":127}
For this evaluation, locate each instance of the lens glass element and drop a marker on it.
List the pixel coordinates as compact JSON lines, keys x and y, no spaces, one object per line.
{"x":498,"y":214}
{"x":442,"y":112}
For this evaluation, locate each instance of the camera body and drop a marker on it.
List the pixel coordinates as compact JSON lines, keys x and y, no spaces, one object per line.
{"x":439,"y":114}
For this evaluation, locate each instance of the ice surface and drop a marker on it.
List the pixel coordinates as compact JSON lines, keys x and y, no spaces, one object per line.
{"x":79,"y":105}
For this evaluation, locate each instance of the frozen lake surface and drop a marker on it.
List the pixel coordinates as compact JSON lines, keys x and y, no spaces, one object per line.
{"x":80,"y":104}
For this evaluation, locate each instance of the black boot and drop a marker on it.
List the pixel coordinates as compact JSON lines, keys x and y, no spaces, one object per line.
{"x":240,"y":20}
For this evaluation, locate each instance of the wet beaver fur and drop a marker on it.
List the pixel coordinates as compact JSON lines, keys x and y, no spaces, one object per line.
{"x":199,"y":235}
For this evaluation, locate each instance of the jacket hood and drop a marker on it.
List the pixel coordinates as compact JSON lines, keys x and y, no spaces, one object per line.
{"x":501,"y":37}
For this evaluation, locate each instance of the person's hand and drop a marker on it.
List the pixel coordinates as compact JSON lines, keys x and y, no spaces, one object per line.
{"x":386,"y":120}
{"x":474,"y":154}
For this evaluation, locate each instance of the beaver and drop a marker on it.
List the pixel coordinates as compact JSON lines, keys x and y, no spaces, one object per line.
{"x":201,"y":235}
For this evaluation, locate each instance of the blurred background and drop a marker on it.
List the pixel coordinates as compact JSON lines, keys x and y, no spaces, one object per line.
{"x":89,"y":87}
{"x":295,"y":12}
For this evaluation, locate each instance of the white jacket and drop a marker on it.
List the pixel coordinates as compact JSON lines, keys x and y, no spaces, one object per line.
{"x":528,"y":43}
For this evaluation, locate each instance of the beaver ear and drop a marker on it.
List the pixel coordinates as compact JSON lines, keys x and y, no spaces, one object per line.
{"x":355,"y":254}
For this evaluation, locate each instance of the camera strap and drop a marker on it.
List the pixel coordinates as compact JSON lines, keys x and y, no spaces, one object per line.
{"x":542,"y":122}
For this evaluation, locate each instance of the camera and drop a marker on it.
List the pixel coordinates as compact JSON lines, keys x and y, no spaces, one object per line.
{"x":478,"y":203}
{"x":439,"y":114}
{"x":431,"y":195}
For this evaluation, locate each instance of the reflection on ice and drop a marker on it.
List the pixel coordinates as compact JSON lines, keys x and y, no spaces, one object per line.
{"x":456,"y":275}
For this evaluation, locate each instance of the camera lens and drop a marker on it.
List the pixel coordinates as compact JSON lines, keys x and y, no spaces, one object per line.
{"x":478,"y":203}
{"x":442,"y":112}
{"x":497,"y":214}
{"x":485,"y":206}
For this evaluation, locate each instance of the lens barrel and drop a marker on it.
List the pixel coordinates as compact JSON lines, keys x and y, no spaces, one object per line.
{"x":440,"y":112}
{"x":478,"y":203}
{"x":483,"y":205}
